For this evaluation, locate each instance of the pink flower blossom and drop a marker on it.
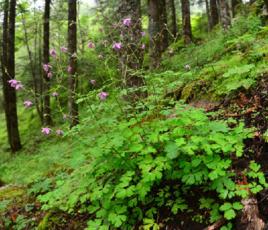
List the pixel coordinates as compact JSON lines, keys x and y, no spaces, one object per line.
{"x":15,"y":84}
{"x":55,"y":94}
{"x":27,"y":104}
{"x":117,"y":46}
{"x":143,"y":46}
{"x":53,"y":53}
{"x":63,"y":49}
{"x":46,"y":131}
{"x":143,"y":33}
{"x":127,"y":22}
{"x":49,"y":75}
{"x":103,"y":96}
{"x":91,"y":45}
{"x":47,"y":67}
{"x":19,"y":86}
{"x":59,"y":132}
{"x":93,"y":82}
{"x":69,"y":69}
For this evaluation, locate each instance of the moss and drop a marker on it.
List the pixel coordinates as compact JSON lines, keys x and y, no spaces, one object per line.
{"x":11,"y":192}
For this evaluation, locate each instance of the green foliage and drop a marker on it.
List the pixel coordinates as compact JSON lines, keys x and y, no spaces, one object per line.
{"x":152,"y":161}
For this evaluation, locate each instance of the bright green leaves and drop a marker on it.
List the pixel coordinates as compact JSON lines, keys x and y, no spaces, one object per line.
{"x":229,"y":209}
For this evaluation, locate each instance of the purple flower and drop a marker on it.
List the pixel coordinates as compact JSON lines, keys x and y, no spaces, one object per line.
{"x":59,"y":132}
{"x":27,"y":104}
{"x":47,"y":67}
{"x":143,"y":46}
{"x":117,"y":46}
{"x":93,"y":82}
{"x":91,"y":45}
{"x":127,"y":22}
{"x":53,"y":53}
{"x":55,"y":94}
{"x":63,"y":49}
{"x":46,"y":131}
{"x":103,"y":96}
{"x":15,"y":84}
{"x":143,"y":33}
{"x":69,"y":69}
{"x":49,"y":75}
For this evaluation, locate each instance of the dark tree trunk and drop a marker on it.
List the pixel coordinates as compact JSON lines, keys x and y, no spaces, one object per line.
{"x":163,"y":23}
{"x":131,"y":56}
{"x":174,"y":26}
{"x":225,"y":14}
{"x":214,"y":15}
{"x":47,"y":110}
{"x":235,"y":3}
{"x":157,"y":30}
{"x":186,"y":21}
{"x":72,"y":48}
{"x":8,"y":72}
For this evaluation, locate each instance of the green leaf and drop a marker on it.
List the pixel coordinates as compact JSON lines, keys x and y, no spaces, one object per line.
{"x":226,"y":206}
{"x":172,"y":150}
{"x":229,"y":214}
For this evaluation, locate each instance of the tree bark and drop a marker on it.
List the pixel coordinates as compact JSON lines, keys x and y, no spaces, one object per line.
{"x":208,"y":15}
{"x":225,"y":14}
{"x":8,"y":72}
{"x":174,"y":26}
{"x":72,"y":48}
{"x":163,"y":23}
{"x":235,"y":3}
{"x":131,"y":56}
{"x":47,"y":110}
{"x":186,"y":21}
{"x":157,"y":31}
{"x":214,"y":15}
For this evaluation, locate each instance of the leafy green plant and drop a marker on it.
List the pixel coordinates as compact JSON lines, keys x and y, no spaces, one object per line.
{"x":154,"y":160}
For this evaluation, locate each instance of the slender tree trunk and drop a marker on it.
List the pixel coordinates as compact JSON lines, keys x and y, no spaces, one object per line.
{"x":154,"y":32}
{"x":47,"y":110}
{"x":174,"y":26}
{"x":214,"y":15}
{"x":208,"y":15}
{"x":8,"y":72}
{"x":72,"y":47}
{"x":32,"y":66}
{"x":186,"y":21}
{"x":163,"y":23}
{"x":157,"y":31}
{"x":225,"y":14}
{"x":131,"y":56}
{"x":235,"y":3}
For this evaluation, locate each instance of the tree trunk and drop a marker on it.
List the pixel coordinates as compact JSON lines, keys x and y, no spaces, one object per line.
{"x":214,"y":15}
{"x":163,"y":23}
{"x":235,"y":3}
{"x":47,"y":110}
{"x":225,"y":15}
{"x":8,"y":72}
{"x":208,"y":15}
{"x":131,"y":56}
{"x":72,"y":48}
{"x":157,"y":31}
{"x":174,"y":26}
{"x":186,"y":21}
